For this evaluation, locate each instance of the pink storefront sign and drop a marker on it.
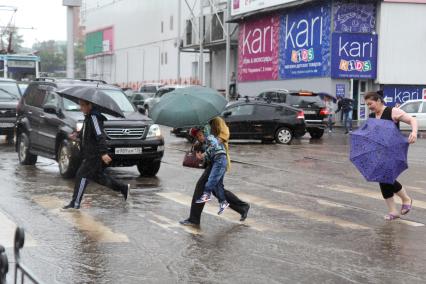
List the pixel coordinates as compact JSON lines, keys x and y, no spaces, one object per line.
{"x":258,"y":49}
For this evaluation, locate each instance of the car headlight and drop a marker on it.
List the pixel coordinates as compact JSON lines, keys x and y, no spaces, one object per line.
{"x":79,"y":126}
{"x":154,"y":131}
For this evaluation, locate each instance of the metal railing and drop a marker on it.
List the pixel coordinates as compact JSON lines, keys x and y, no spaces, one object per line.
{"x":21,"y":271}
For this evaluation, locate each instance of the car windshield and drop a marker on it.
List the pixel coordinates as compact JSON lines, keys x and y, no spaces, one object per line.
{"x":9,"y":91}
{"x":304,"y":101}
{"x":118,"y":96}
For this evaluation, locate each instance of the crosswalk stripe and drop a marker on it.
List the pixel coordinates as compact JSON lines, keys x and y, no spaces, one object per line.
{"x":302,"y":213}
{"x":169,"y":224}
{"x":415,"y":189}
{"x":370,"y":194}
{"x":228,"y":215}
{"x":81,"y":220}
{"x":7,"y":233}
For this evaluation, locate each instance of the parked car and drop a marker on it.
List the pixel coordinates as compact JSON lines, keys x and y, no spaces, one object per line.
{"x":417,"y":109}
{"x":150,"y":102}
{"x":266,"y":121}
{"x":9,"y":98}
{"x":150,"y":88}
{"x":138,"y":99}
{"x":312,"y":105}
{"x":45,"y":119}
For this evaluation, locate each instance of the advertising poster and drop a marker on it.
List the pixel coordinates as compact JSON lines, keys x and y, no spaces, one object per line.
{"x":354,"y":16}
{"x":305,"y":42}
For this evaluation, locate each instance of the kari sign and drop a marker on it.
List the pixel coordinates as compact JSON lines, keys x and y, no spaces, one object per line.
{"x":258,"y":49}
{"x":399,"y":94}
{"x":354,"y":56}
{"x":246,"y":6}
{"x":305,"y":42}
{"x":354,"y":16}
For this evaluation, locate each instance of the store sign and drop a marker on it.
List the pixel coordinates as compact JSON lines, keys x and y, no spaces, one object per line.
{"x":20,"y":64}
{"x":258,"y":49}
{"x":354,"y":56}
{"x":340,"y":90}
{"x":100,"y":42}
{"x":354,"y":16}
{"x":399,"y":94}
{"x":305,"y":42}
{"x":245,"y":6}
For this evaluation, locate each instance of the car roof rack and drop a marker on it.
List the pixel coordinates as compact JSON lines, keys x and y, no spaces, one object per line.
{"x":92,"y":80}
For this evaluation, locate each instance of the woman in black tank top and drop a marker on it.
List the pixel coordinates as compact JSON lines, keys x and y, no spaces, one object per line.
{"x":376,"y":105}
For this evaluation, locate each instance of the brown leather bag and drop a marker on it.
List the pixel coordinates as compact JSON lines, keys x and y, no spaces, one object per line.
{"x":191,"y":161}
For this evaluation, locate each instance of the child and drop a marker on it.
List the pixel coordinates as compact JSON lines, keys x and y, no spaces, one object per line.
{"x":95,"y":156}
{"x":215,"y":154}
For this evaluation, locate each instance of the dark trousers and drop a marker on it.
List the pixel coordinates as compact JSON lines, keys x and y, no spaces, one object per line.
{"x":235,"y":203}
{"x":93,"y":169}
{"x":388,"y":190}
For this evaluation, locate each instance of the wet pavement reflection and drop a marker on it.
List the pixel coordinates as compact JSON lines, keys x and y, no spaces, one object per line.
{"x":313,"y":219}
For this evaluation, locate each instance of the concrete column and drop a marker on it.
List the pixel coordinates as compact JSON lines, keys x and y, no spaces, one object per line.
{"x":70,"y":42}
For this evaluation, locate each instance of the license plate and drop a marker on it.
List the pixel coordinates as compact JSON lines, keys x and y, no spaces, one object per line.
{"x":128,"y":151}
{"x":7,"y":125}
{"x":310,"y":112}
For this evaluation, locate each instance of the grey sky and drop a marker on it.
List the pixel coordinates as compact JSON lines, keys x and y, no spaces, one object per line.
{"x":48,"y":17}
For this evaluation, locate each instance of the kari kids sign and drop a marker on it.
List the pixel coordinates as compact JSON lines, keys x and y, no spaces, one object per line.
{"x":305,"y":42}
{"x":258,"y":49}
{"x":354,"y":56}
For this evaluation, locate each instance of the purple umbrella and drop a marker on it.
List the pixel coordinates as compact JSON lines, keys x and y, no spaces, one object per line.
{"x":379,"y":151}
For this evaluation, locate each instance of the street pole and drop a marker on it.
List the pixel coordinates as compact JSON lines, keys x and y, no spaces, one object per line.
{"x":228,"y":51}
{"x":179,"y":38}
{"x":201,"y":36}
{"x":70,"y":42}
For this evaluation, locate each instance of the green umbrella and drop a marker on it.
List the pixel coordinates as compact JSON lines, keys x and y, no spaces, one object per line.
{"x":188,"y":107}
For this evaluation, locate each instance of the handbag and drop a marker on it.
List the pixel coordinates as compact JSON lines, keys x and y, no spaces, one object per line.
{"x":190,"y":160}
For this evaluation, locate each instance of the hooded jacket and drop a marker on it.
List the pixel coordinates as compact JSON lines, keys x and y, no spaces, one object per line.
{"x":92,"y":136}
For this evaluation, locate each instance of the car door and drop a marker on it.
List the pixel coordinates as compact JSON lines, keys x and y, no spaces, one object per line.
{"x":239,"y":120}
{"x":263,"y":121}
{"x":421,"y":117}
{"x":34,"y":113}
{"x":413,"y":109}
{"x":50,"y":123}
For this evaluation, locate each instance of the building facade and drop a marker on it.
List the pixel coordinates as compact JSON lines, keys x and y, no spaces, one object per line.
{"x":339,"y":47}
{"x":131,"y":42}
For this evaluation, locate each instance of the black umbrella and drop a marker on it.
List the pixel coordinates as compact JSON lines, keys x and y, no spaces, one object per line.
{"x":101,"y":101}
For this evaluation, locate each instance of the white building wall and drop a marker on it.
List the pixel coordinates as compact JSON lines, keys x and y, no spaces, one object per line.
{"x":140,"y":46}
{"x":402,"y":44}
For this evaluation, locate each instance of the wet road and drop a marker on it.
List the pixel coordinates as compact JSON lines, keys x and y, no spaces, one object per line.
{"x":313,"y":219}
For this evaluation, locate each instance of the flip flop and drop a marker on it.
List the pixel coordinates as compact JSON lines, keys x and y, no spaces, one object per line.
{"x":391,"y":217}
{"x":406,"y":207}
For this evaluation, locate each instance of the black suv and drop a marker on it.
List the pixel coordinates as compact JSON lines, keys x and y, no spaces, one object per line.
{"x":266,"y":121}
{"x":9,"y":98}
{"x":45,"y":119}
{"x":312,"y":105}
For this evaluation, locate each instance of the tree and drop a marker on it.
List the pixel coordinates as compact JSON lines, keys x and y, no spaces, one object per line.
{"x":17,"y":41}
{"x":80,"y":61}
{"x":52,"y":56}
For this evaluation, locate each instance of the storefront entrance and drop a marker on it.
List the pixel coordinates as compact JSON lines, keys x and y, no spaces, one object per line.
{"x":360,"y":87}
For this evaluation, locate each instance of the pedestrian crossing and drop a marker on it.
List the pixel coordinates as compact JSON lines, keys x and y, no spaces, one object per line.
{"x":97,"y":231}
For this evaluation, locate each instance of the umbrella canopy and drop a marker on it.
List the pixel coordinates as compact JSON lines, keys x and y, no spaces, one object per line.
{"x":322,"y":95}
{"x":379,"y":151}
{"x":188,"y":107}
{"x":101,"y":101}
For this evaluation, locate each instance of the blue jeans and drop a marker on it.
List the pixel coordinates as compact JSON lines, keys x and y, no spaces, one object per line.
{"x":347,"y":120}
{"x":215,"y":181}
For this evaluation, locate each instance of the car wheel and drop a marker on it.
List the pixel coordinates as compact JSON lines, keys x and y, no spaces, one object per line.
{"x":24,"y":155}
{"x":316,"y":133}
{"x":284,"y":136}
{"x":68,"y":164}
{"x":149,"y":169}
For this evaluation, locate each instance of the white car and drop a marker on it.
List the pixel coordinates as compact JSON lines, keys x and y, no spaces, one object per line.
{"x":417,"y":109}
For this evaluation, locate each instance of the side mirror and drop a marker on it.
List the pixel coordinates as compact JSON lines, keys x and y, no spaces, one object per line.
{"x":227,"y":113}
{"x":52,"y":109}
{"x":141,"y":110}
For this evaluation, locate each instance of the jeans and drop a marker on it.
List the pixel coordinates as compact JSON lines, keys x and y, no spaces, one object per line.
{"x":330,"y":122}
{"x":215,"y":181}
{"x":347,"y":120}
